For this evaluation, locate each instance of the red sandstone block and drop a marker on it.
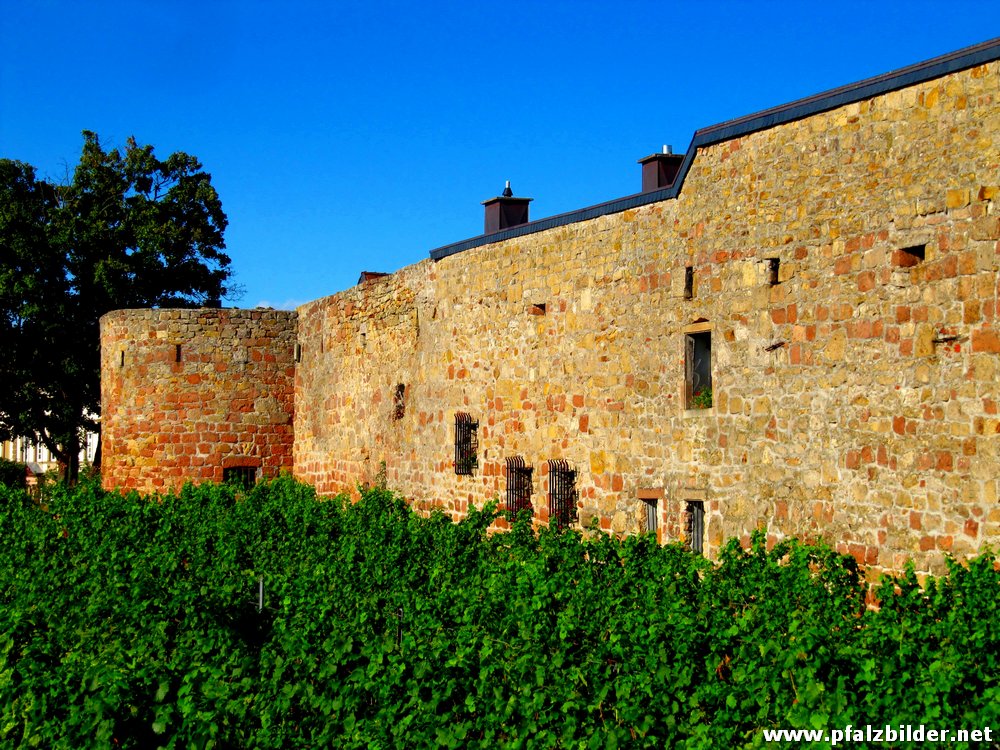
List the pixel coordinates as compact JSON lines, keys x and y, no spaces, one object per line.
{"x":842,"y":266}
{"x":867,"y":454}
{"x":916,"y":520}
{"x":985,"y":340}
{"x":778,"y":316}
{"x":949,"y":266}
{"x":926,"y":543}
{"x":945,"y":461}
{"x":866,"y":281}
{"x":899,"y":425}
{"x":853,"y":459}
{"x":902,"y":259}
{"x":792,"y":313}
{"x":971,"y":528}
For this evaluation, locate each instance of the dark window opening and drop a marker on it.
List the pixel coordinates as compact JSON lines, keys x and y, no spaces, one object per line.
{"x":773,"y":266}
{"x":466,"y":444}
{"x":688,"y":282}
{"x":562,"y":494}
{"x":651,"y":516}
{"x":537,"y":309}
{"x":399,"y":401}
{"x":177,"y":352}
{"x":298,"y":352}
{"x":518,"y":486}
{"x":910,"y":256}
{"x":694,"y":523}
{"x":122,"y":363}
{"x":698,"y":370}
{"x":244,"y":477}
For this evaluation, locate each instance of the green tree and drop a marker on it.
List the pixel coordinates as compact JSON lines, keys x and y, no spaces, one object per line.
{"x":127,"y":230}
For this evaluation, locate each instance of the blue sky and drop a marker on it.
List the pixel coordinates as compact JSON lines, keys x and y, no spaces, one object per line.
{"x":351,"y":136}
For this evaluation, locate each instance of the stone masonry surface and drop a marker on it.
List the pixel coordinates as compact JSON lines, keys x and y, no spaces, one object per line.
{"x":189,"y":393}
{"x":855,"y":399}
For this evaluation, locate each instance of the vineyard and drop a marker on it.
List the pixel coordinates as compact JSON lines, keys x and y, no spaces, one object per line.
{"x":267,"y":619}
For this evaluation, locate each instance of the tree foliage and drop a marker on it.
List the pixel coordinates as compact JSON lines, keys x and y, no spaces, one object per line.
{"x":137,"y":623}
{"x":127,"y":230}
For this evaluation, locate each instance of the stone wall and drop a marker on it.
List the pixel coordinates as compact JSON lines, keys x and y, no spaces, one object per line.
{"x":843,"y":284}
{"x":854,"y":399}
{"x":187,"y":394}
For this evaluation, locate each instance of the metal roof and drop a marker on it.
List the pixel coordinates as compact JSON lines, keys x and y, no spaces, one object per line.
{"x":882,"y":84}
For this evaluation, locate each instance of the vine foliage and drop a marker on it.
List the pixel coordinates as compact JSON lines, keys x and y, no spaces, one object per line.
{"x":137,"y":623}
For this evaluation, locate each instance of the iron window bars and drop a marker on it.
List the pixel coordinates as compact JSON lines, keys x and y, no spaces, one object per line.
{"x":562,"y":493}
{"x":466,"y":443}
{"x":518,"y":485}
{"x":651,"y":518}
{"x":244,"y":477}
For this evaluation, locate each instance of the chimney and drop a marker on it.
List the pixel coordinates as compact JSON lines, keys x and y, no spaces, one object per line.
{"x":659,"y":170}
{"x":505,"y":211}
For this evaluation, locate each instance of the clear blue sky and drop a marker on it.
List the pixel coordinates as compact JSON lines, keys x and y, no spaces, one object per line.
{"x":350,"y":136}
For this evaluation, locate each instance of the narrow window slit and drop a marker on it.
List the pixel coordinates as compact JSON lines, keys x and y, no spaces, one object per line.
{"x":399,"y":401}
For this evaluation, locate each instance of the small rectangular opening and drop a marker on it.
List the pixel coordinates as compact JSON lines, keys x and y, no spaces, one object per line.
{"x":773,"y":268}
{"x":688,"y":282}
{"x":694,"y":523}
{"x":298,"y":352}
{"x":122,"y":362}
{"x":536,"y":309}
{"x":177,"y":352}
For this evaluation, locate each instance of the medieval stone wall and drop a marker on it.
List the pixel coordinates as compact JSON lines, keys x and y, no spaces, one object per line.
{"x":187,"y":394}
{"x":843,"y":295}
{"x":856,"y":398}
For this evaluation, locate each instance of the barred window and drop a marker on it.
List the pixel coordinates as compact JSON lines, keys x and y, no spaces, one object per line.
{"x":694,"y":521}
{"x":241,"y":476}
{"x":562,"y":494}
{"x":518,"y":485}
{"x":651,"y":516}
{"x":466,"y":443}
